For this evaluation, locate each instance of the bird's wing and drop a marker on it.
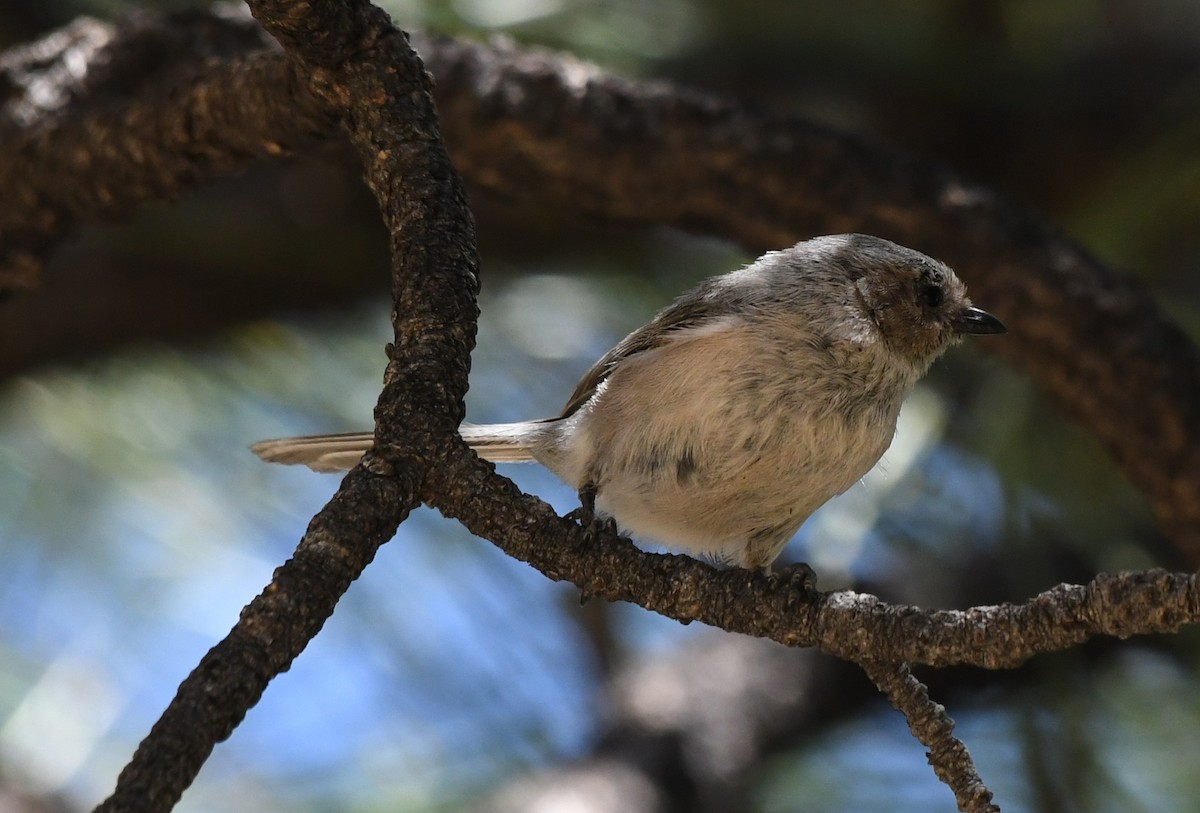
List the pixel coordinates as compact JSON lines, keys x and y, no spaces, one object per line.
{"x":671,"y":324}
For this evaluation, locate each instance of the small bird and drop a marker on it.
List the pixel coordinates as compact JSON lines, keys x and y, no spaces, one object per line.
{"x":722,"y":424}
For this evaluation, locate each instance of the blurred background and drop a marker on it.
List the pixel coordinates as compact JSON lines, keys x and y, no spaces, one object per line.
{"x":134,"y":523}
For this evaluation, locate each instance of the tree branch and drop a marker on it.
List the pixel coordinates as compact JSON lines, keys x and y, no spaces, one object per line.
{"x":161,"y":106}
{"x":689,"y":730}
{"x":272,"y":630}
{"x":784,"y":606}
{"x":363,"y":71}
{"x":933,"y":727}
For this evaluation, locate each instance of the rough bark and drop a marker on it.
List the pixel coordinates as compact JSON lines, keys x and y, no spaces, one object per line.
{"x":933,"y":727}
{"x":362,"y":71}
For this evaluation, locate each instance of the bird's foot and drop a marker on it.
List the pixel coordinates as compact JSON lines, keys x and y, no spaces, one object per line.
{"x":585,"y":515}
{"x":796,"y":576}
{"x":593,"y":526}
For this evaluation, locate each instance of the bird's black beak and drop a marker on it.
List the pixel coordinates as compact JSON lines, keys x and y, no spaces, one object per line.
{"x":977,"y":322}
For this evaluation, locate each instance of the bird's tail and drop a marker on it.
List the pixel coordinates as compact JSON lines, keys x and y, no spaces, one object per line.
{"x":499,"y":443}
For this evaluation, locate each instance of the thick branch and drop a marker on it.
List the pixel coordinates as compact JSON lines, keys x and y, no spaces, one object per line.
{"x":153,"y":114}
{"x":363,"y":72}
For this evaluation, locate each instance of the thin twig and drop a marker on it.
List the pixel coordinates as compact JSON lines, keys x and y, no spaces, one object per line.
{"x":931,"y":725}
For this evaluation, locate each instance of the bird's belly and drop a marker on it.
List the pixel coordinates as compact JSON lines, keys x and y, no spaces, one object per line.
{"x":739,"y":496}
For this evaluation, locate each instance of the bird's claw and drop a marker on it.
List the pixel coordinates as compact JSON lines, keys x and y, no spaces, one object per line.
{"x":796,"y":576}
{"x":585,"y":515}
{"x":598,"y":526}
{"x":593,"y":526}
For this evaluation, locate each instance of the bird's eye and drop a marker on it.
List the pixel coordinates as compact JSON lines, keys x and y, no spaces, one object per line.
{"x":931,"y":295}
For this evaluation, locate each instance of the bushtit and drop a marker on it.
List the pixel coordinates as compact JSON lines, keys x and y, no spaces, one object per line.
{"x":721,"y":425}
